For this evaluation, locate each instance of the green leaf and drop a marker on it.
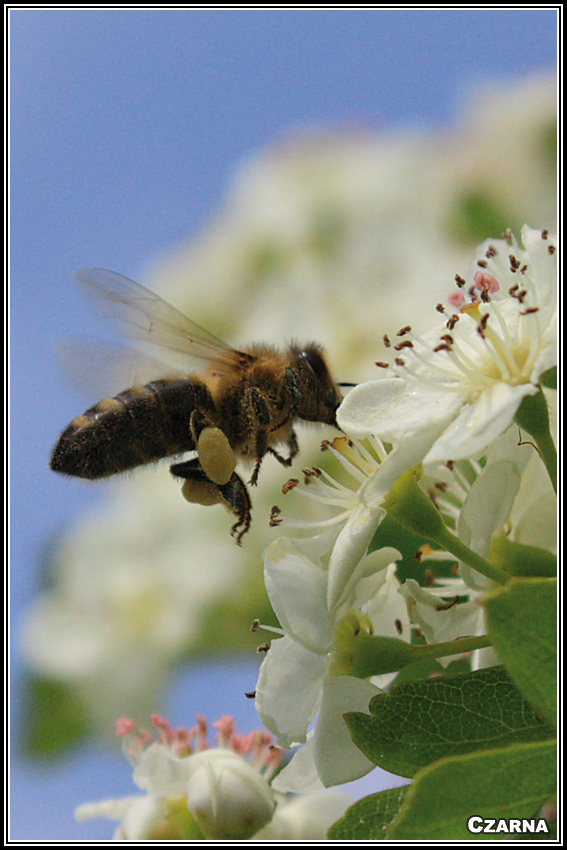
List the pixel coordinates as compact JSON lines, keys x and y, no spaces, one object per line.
{"x":522,"y":622}
{"x":369,"y":817}
{"x":55,"y":719}
{"x":519,"y":559}
{"x":513,"y":782}
{"x":417,"y":723}
{"x":549,"y":378}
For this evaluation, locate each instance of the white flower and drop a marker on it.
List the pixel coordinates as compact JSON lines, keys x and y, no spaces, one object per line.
{"x":305,"y":817}
{"x":357,"y":505}
{"x":467,"y":379}
{"x":480,"y":511}
{"x":293,"y":683}
{"x":223,"y":791}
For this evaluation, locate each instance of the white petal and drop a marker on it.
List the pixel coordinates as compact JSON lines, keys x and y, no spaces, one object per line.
{"x":479,"y":423}
{"x":542,"y":266}
{"x":393,"y":409}
{"x":351,"y":546}
{"x":297,"y":589}
{"x":143,"y":818}
{"x":440,"y":625}
{"x":485,"y":509}
{"x":111,"y":809}
{"x":139,"y":816}
{"x":369,"y":578}
{"x":300,"y":775}
{"x":406,"y":454}
{"x":385,"y":607}
{"x":161,"y":773}
{"x":288,"y":691}
{"x":305,"y":818}
{"x":337,"y":758}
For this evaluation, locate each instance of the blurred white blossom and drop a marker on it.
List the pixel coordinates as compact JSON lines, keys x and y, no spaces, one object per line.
{"x":221,"y":792}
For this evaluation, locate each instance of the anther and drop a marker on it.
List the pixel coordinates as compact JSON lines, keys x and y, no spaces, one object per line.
{"x":289,"y":485}
{"x":381,"y":364}
{"x":445,"y":606}
{"x":275,"y":518}
{"x":430,"y":578}
{"x":460,"y":281}
{"x":386,"y":340}
{"x":404,"y":330}
{"x":407,"y":343}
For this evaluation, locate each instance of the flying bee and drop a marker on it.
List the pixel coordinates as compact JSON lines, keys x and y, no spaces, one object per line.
{"x":242,"y":406}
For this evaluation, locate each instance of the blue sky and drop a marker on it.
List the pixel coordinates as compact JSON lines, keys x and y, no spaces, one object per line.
{"x":126,"y":126}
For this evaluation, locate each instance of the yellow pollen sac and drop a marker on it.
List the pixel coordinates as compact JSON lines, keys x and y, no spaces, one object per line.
{"x":216,"y":455}
{"x":201,"y":492}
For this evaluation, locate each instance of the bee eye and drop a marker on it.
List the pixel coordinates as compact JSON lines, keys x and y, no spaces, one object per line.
{"x":315,"y":362}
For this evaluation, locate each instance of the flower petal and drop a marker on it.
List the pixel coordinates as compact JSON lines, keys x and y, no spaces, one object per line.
{"x":161,"y":773}
{"x":297,"y":589}
{"x":337,"y":758}
{"x":288,"y":691}
{"x":351,"y":546}
{"x":393,"y":409}
{"x":485,"y":509}
{"x":441,"y":624}
{"x":479,"y":423}
{"x":300,"y":775}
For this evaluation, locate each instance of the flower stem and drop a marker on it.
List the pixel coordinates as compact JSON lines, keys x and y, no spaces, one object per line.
{"x":453,"y":647}
{"x":358,"y":652}
{"x":456,"y":547}
{"x":406,"y":504}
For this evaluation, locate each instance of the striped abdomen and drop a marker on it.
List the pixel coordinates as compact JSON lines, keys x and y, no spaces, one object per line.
{"x":138,"y":426}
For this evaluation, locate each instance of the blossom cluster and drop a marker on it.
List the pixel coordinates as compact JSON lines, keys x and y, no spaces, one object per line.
{"x":449,"y":411}
{"x":195,"y":791}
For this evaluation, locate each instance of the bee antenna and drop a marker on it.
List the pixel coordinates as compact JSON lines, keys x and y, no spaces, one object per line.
{"x":345,"y":384}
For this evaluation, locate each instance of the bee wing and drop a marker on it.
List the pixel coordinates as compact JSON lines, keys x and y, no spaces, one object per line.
{"x":152,"y":319}
{"x":97,"y":368}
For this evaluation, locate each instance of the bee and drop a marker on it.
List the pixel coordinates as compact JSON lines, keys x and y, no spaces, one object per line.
{"x":242,"y":406}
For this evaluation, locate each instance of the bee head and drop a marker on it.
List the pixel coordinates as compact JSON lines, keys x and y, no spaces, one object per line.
{"x":321,"y":394}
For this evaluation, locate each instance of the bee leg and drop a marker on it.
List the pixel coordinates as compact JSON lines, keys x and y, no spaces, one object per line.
{"x":258,"y":415}
{"x":199,"y":488}
{"x":293,"y":447}
{"x":236,"y":496}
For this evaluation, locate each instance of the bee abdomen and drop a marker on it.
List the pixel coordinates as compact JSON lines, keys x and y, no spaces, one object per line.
{"x":138,"y":426}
